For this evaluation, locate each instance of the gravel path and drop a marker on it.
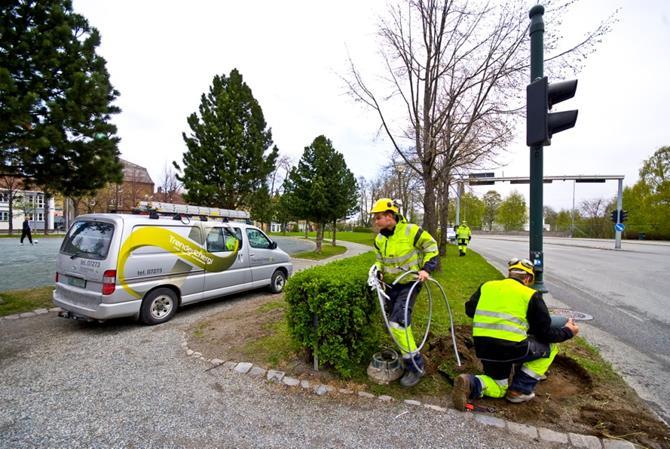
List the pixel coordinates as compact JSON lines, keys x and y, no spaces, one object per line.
{"x":120,"y":384}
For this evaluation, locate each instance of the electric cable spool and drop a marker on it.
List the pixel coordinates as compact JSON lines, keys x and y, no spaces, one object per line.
{"x":385,"y":367}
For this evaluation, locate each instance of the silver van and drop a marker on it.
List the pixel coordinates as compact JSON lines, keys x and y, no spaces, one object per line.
{"x":118,"y":265}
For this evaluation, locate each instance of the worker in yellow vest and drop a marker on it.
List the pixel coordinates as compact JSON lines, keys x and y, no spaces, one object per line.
{"x":400,"y":247}
{"x":510,"y":326}
{"x":463,"y":237}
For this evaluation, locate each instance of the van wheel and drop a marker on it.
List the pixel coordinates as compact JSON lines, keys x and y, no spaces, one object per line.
{"x":277,"y":282}
{"x":158,"y":306}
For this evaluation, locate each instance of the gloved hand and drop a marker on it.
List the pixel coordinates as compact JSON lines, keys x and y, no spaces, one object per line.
{"x":469,"y":238}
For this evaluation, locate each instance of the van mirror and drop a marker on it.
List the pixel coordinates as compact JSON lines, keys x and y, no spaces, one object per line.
{"x":273,"y":245}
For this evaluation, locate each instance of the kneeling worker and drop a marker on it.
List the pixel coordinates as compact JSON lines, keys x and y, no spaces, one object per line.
{"x":511,"y":325}
{"x":400,"y":247}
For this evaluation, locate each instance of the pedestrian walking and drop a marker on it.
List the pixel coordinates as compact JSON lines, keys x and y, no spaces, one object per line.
{"x":26,"y":231}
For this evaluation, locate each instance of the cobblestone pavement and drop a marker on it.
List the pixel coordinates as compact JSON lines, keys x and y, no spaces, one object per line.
{"x":120,"y":384}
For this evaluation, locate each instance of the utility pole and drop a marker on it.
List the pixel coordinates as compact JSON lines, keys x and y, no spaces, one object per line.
{"x":540,"y":126}
{"x":536,"y":157}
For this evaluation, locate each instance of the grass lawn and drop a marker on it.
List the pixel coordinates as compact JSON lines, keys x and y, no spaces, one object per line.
{"x":364,"y":238}
{"x":327,"y":250}
{"x":19,"y":301}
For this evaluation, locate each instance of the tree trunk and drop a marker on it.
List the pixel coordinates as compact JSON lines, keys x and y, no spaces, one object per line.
{"x":11,"y":212}
{"x":306,"y":229}
{"x":334,"y":232}
{"x":45,"y":210}
{"x":444,"y":217}
{"x":429,"y":217}
{"x":319,"y":236}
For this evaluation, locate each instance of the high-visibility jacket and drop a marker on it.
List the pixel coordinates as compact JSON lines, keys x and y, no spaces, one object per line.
{"x":408,"y":248}
{"x":463,"y":232}
{"x":501,"y":311}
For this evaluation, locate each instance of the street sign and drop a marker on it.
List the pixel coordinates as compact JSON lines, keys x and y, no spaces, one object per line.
{"x":619,"y":227}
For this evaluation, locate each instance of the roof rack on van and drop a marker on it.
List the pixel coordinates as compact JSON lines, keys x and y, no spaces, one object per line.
{"x":156,"y":208}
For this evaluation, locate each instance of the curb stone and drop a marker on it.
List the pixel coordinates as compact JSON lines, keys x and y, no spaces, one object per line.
{"x":587,"y":441}
{"x":552,"y":435}
{"x":617,"y":444}
{"x":243,"y":367}
{"x":522,"y":429}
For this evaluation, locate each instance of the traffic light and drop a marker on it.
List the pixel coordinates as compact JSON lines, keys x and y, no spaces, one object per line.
{"x":540,"y":98}
{"x":623,"y":215}
{"x":615,"y":216}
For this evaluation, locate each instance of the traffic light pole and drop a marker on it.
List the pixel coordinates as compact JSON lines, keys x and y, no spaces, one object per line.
{"x":536,"y":160}
{"x":619,"y":205}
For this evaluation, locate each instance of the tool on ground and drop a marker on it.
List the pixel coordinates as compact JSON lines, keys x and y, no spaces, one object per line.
{"x":479,"y":408}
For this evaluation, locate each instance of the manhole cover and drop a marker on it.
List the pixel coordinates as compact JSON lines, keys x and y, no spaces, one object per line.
{"x":569,"y":313}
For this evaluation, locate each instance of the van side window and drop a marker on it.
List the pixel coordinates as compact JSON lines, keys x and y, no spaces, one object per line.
{"x":223,"y":239}
{"x":257,"y":239}
{"x":215,"y":243}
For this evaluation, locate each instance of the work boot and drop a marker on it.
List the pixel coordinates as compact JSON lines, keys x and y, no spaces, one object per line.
{"x":517,"y":397}
{"x":410,"y":378}
{"x":461,"y":392}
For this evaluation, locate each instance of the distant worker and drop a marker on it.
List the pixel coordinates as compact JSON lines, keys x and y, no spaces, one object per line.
{"x":400,"y":247}
{"x":26,"y":231}
{"x":511,"y":325}
{"x":463,"y":236}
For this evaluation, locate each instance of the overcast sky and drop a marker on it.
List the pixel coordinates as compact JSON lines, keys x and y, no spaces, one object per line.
{"x":163,"y":55}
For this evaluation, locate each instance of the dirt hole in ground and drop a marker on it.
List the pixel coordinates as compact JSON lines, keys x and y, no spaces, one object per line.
{"x":569,"y":400}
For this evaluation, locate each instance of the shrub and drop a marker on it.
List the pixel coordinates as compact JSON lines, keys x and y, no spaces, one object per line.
{"x":337,"y":299}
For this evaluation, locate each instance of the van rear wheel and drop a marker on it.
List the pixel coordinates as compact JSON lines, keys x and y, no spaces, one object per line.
{"x":278,"y":281}
{"x":158,"y":306}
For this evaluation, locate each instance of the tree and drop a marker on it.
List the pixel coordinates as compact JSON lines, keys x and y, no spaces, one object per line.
{"x":11,"y":186}
{"x":512,"y":213}
{"x":228,"y":159}
{"x":472,"y":210}
{"x":550,"y":216}
{"x":169,"y":185}
{"x":492,"y":201}
{"x":595,"y":218}
{"x":321,"y":188}
{"x":55,"y":100}
{"x":457,"y":70}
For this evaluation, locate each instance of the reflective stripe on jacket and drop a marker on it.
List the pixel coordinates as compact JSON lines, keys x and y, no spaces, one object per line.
{"x":408,"y":248}
{"x":501,"y":310}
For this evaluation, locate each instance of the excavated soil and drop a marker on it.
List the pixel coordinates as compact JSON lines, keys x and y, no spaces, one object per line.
{"x":569,"y":400}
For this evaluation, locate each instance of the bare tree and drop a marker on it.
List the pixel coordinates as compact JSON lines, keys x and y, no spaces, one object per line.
{"x":11,"y":186}
{"x":594,"y":212}
{"x":456,"y":69}
{"x":284,"y":163}
{"x":169,"y":184}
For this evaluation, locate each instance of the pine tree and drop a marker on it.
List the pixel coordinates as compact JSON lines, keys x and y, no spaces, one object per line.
{"x":226,"y":163}
{"x":322,"y":189}
{"x":55,"y":100}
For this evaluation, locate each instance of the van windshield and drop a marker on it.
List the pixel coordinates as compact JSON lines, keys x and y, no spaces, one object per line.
{"x":88,"y":239}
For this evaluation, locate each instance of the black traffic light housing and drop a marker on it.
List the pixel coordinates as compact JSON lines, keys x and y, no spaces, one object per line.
{"x":540,"y":98}
{"x":619,"y":216}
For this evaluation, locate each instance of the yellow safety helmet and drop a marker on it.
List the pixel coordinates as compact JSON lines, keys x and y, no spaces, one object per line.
{"x":385,"y":204}
{"x":524,"y":265}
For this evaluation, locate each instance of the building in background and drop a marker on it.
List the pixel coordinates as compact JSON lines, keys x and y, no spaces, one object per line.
{"x":26,"y":203}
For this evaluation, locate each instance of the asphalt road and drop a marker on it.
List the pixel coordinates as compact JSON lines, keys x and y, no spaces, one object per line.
{"x":70,"y":384}
{"x":28,"y":266}
{"x":626,"y":291}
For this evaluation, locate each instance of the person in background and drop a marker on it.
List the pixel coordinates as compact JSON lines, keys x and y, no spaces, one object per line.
{"x":26,"y":231}
{"x":463,"y":236}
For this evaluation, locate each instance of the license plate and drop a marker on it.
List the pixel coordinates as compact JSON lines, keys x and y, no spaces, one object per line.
{"x":81,"y":283}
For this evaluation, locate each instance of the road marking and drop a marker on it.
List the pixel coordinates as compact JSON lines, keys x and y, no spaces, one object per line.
{"x":630,"y":314}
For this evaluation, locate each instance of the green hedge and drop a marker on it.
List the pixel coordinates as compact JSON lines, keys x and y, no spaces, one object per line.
{"x":346,"y":311}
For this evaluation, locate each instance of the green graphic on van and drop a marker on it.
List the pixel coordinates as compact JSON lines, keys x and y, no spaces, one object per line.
{"x":173,"y":243}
